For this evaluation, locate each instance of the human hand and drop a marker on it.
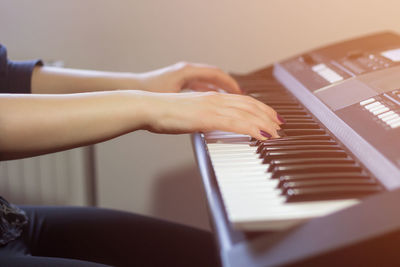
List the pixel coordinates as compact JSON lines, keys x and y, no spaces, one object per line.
{"x":201,"y":112}
{"x":182,"y":75}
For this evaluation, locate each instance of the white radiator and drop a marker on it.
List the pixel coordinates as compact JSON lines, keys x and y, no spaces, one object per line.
{"x":64,"y":178}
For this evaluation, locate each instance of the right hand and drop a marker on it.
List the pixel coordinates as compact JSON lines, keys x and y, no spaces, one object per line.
{"x":201,"y":112}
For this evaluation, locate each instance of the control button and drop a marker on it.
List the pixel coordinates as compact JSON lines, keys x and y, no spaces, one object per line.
{"x":390,"y":117}
{"x":386,"y":114}
{"x":381,"y":110}
{"x":375,"y":104}
{"x":395,"y":125}
{"x":394,"y":120}
{"x":368,"y":101}
{"x":327,"y":73}
{"x":376,"y":108}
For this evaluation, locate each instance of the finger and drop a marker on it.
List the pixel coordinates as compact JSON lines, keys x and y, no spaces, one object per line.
{"x":273,"y":115}
{"x":230,"y":124}
{"x":256,"y":108}
{"x":202,"y":87}
{"x":261,"y":122}
{"x":242,"y":117}
{"x":211,"y":75}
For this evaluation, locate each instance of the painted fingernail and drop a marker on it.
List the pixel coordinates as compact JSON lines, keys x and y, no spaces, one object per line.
{"x":282,"y":120}
{"x":265,"y":134}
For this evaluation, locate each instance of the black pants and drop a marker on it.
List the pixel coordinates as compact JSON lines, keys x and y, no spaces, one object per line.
{"x":72,"y":236}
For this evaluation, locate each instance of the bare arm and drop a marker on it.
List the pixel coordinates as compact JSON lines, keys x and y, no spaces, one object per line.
{"x":171,"y":79}
{"x":37,"y":124}
{"x":32,"y":125}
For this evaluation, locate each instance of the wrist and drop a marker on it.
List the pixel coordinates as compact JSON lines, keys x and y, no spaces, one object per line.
{"x":142,"y":109}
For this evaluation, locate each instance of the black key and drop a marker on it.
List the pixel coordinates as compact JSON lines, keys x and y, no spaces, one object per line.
{"x":289,"y":112}
{"x":291,"y":125}
{"x":279,"y":109}
{"x":291,"y":138}
{"x":294,"y":142}
{"x":277,"y":147}
{"x":279,"y":171}
{"x":328,"y":182}
{"x":303,"y":154}
{"x":331,"y":192}
{"x":321,"y":176}
{"x":304,"y":120}
{"x":281,"y":133}
{"x":280,"y":147}
{"x":288,"y":117}
{"x":288,"y":162}
{"x":284,"y":106}
{"x":276,"y":98}
{"x":278,"y":102}
{"x":295,"y":132}
{"x":279,"y":142}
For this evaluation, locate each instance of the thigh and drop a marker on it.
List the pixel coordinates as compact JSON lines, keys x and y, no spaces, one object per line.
{"x":116,"y":238}
{"x":33,"y":261}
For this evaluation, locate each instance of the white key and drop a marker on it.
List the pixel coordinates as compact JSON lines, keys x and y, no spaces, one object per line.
{"x":251,"y":198}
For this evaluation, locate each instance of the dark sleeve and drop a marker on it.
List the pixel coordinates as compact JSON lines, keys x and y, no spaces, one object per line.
{"x":15,"y":77}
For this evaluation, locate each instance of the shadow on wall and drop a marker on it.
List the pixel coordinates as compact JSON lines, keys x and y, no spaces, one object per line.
{"x":179,"y":197}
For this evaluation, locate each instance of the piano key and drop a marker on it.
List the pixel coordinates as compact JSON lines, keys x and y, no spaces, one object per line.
{"x":303,"y":154}
{"x":292,"y":116}
{"x":321,"y":176}
{"x":290,"y":143}
{"x":318,"y":168}
{"x":294,"y":138}
{"x":288,"y":109}
{"x":331,"y":192}
{"x":284,"y":106}
{"x":296,"y":132}
{"x":300,"y":120}
{"x":289,"y":112}
{"x":265,"y":150}
{"x":307,"y":125}
{"x":302,"y":184}
{"x":280,"y":147}
{"x":286,"y":162}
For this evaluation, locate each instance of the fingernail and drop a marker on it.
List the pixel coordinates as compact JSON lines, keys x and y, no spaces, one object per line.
{"x":265,"y":134}
{"x":280,"y":118}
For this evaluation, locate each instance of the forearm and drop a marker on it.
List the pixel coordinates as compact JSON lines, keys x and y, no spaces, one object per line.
{"x":51,"y":80}
{"x":32,"y":125}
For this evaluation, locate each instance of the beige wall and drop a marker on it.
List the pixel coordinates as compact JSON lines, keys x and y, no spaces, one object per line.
{"x":156,"y":174}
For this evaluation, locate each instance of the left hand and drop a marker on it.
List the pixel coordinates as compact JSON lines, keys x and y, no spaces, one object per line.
{"x":182,"y":75}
